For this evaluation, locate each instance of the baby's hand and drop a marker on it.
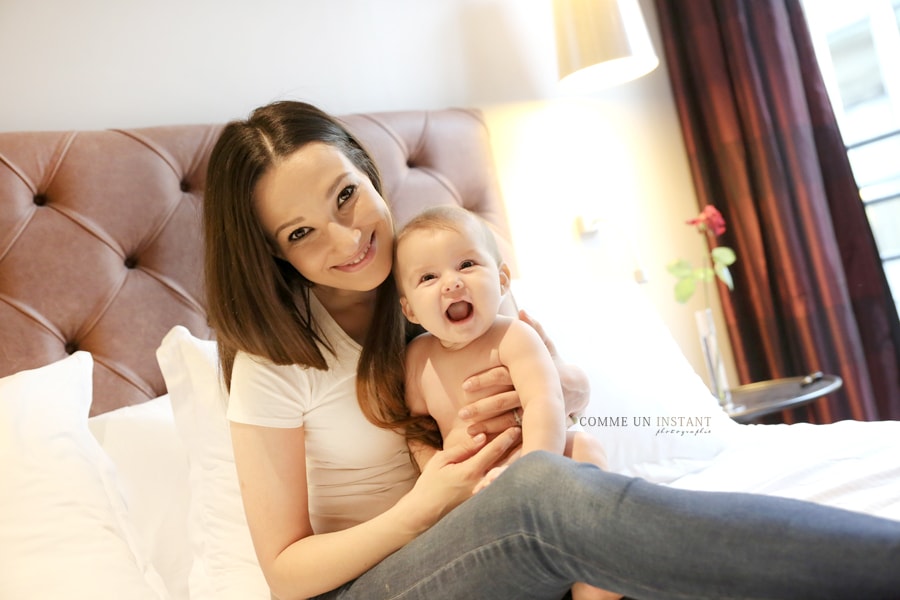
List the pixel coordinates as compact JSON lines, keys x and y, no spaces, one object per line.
{"x":488,"y":478}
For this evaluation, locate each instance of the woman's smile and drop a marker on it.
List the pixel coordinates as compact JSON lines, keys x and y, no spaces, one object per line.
{"x":365,"y":256}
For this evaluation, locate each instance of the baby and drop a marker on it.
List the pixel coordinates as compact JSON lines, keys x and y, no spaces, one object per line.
{"x":452,"y":281}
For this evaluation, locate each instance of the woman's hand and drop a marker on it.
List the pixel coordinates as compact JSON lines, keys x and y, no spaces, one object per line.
{"x":494,"y":413}
{"x":451,"y":475}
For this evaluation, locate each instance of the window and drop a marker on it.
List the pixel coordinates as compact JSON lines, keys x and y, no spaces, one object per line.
{"x":858,"y":48}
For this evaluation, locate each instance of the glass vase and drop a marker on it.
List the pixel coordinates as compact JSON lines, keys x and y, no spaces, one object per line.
{"x":715,"y":365}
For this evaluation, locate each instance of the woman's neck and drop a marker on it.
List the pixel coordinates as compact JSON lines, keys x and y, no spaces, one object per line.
{"x":353,"y":311}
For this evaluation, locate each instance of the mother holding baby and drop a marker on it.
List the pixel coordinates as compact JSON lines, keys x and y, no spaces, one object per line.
{"x":298,"y":261}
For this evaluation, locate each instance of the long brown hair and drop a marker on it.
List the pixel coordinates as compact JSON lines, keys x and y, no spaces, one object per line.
{"x":251,"y":294}
{"x":380,"y":375}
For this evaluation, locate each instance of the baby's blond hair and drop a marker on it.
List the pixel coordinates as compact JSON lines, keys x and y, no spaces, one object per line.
{"x":454,"y":218}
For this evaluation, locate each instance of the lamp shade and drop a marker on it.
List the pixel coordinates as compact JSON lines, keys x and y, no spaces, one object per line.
{"x":601,"y":43}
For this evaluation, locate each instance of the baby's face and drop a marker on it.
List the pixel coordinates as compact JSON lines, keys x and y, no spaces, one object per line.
{"x":449,"y":284}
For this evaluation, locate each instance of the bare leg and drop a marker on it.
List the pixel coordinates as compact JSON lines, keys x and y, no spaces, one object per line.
{"x":583,"y":447}
{"x":583,"y":591}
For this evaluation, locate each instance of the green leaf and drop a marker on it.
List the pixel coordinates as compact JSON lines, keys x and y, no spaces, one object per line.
{"x":723,"y":255}
{"x":684,"y":289}
{"x":703,"y":274}
{"x":679,"y":268}
{"x":724,"y":275}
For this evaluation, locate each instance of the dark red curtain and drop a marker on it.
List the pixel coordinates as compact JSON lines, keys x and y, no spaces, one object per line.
{"x":810,"y":293}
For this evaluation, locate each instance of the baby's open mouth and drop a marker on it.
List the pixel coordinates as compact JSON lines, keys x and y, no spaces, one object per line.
{"x":459,"y":311}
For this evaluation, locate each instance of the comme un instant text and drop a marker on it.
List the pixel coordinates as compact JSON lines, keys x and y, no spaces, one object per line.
{"x":679,"y":422}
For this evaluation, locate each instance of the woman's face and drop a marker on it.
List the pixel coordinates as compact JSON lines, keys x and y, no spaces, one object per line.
{"x":324,"y":216}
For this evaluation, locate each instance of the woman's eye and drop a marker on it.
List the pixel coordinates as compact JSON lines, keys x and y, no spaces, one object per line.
{"x":298,"y":234}
{"x":345,"y":195}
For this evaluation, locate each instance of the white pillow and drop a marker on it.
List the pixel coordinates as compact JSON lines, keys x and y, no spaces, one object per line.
{"x":65,"y":527}
{"x":653,"y":413}
{"x":145,"y":447}
{"x":225,"y":564}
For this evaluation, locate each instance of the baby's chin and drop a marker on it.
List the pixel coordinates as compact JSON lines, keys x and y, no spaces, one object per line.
{"x":456,"y":339}
{"x":456,"y":343}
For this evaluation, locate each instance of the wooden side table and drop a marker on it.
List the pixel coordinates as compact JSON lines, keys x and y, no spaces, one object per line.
{"x":754,"y":400}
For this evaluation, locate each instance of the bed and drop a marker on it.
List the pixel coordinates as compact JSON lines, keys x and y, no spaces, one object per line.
{"x":118,"y":480}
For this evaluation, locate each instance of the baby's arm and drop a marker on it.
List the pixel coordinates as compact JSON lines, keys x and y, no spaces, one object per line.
{"x":493,"y":414}
{"x":575,"y":385}
{"x":536,"y":380}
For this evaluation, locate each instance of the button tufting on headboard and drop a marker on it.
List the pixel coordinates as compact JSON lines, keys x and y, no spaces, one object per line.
{"x":100,"y":245}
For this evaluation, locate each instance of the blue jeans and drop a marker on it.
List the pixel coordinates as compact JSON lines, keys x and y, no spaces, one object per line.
{"x":548,"y":522}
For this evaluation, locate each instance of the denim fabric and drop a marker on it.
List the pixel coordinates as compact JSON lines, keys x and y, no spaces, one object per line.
{"x":548,"y":522}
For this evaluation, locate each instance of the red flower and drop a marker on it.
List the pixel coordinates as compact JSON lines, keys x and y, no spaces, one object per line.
{"x":709,"y":219}
{"x":710,"y":224}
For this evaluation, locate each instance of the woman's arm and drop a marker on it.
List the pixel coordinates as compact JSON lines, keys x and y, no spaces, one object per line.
{"x":421,"y":453}
{"x":271,"y":470}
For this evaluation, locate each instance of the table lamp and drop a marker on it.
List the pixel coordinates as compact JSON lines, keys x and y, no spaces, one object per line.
{"x":601,"y":43}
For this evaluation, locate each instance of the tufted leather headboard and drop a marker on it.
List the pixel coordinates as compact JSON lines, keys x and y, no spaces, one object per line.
{"x":100,"y":239}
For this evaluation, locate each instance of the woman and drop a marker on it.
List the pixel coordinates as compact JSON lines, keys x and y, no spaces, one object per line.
{"x":298,"y":255}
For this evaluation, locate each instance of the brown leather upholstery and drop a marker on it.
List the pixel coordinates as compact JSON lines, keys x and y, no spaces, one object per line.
{"x":100,"y":246}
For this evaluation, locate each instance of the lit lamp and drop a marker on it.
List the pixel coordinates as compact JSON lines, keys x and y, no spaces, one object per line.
{"x":601,"y":43}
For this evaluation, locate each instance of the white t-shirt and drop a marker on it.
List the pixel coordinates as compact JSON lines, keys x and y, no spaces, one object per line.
{"x":355,"y":470}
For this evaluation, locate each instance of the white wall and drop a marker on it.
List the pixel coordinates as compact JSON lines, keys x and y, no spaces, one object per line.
{"x":105,"y":63}
{"x":618,"y":155}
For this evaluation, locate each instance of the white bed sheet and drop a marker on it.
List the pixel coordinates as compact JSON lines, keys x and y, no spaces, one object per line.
{"x":638,"y":376}
{"x":852,"y":465}
{"x":849,"y":464}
